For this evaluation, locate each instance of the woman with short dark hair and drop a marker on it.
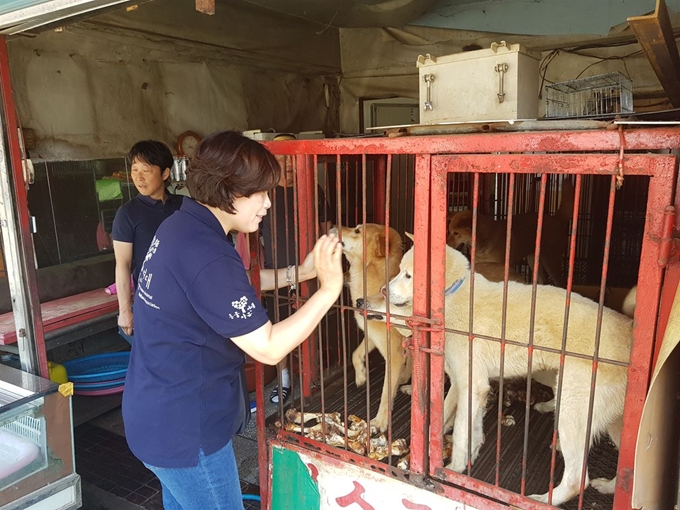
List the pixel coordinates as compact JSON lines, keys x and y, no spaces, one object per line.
{"x":197,"y":314}
{"x":136,"y":221}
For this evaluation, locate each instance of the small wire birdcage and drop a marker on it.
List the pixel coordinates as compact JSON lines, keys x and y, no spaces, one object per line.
{"x":604,"y":95}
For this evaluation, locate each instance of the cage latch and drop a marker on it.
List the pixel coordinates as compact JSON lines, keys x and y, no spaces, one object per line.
{"x":423,"y":324}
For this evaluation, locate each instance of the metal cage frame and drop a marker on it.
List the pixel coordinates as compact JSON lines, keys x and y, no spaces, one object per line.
{"x":601,"y":152}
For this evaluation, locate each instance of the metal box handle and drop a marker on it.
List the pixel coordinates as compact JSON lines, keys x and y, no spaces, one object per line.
{"x":428,"y":78}
{"x":501,"y":69}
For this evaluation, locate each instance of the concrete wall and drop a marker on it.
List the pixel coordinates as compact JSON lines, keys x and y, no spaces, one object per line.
{"x":95,"y":88}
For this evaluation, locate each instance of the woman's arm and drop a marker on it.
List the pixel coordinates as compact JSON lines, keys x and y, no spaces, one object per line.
{"x":270,"y":343}
{"x":271,"y":279}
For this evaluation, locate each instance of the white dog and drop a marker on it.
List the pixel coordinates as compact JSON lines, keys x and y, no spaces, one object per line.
{"x":615,"y":344}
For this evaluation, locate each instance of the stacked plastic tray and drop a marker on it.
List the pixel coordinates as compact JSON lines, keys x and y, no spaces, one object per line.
{"x":98,"y":375}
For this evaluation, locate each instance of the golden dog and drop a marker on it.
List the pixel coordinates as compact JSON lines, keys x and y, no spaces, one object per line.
{"x":375,"y":333}
{"x":491,"y":237}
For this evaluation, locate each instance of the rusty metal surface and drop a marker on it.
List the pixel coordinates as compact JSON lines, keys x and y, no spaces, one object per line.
{"x":479,"y":143}
{"x":655,"y":35}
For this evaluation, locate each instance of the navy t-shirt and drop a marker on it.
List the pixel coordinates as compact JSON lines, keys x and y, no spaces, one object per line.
{"x":185,"y":387}
{"x":136,"y":222}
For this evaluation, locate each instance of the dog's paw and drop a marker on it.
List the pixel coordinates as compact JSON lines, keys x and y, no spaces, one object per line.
{"x":458,"y":463}
{"x":379,"y":423}
{"x":604,"y":485}
{"x":545,"y":407}
{"x":406,"y":389}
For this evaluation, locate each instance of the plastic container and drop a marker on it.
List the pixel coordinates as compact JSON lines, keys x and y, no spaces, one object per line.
{"x":98,"y":368}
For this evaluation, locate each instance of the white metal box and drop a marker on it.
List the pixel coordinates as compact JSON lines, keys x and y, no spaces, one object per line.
{"x":498,"y":83}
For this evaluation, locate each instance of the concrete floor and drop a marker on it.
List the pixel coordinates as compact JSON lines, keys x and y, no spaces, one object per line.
{"x":245,"y":448}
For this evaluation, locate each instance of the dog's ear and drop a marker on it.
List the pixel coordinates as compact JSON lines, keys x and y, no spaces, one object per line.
{"x":410,"y":236}
{"x":380,"y":245}
{"x":461,"y":219}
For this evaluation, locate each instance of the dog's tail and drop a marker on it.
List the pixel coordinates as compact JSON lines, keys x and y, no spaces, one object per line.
{"x":566,"y":209}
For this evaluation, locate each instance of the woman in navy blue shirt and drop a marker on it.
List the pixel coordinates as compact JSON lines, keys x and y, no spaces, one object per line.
{"x":195,"y":316}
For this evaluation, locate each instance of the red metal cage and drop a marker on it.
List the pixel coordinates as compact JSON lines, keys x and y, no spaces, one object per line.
{"x":412,"y":184}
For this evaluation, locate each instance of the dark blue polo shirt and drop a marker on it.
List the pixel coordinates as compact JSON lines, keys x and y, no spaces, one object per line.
{"x":136,"y":222}
{"x":185,"y":386}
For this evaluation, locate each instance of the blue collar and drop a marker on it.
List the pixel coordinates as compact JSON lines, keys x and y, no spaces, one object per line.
{"x":454,"y":287}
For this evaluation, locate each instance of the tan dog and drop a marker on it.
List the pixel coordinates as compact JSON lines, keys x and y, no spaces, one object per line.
{"x":375,"y":334}
{"x":491,"y":236}
{"x":610,"y":390}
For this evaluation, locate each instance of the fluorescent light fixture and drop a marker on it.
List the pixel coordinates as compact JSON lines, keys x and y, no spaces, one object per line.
{"x":29,"y":14}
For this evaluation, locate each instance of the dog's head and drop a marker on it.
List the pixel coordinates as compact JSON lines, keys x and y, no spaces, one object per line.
{"x":399,"y":291}
{"x":460,"y":230}
{"x":400,"y":288}
{"x":353,"y":242}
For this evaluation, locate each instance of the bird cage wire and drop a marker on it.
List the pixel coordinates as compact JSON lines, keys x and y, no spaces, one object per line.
{"x":596,"y":96}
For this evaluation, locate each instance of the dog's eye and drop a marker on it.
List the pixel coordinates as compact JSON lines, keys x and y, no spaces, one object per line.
{"x":455,"y":233}
{"x":356,"y":230}
{"x":407,"y":276}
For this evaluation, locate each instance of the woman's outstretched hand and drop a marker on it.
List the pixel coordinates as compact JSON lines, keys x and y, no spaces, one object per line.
{"x":328,"y":263}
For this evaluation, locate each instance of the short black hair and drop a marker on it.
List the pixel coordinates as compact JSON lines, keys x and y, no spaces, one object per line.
{"x":151,"y":152}
{"x":226,"y":166}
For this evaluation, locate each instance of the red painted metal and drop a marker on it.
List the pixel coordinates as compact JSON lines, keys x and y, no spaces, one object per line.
{"x":649,"y":287}
{"x":23,"y":216}
{"x":262,"y":452}
{"x":420,"y":398}
{"x":480,"y":143}
{"x":671,"y":280}
{"x":667,"y":233}
{"x":379,"y":180}
{"x":431,"y":177}
{"x":437,"y":334}
{"x":305,"y":208}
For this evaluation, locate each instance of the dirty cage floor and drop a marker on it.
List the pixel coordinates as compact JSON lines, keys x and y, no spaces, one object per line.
{"x":601,"y":463}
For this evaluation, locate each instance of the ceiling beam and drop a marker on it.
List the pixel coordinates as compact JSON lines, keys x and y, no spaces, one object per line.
{"x":655,"y":35}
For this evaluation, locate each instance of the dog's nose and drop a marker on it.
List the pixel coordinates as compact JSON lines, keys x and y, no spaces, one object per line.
{"x":333,"y":230}
{"x":383,"y":291}
{"x":360,"y":303}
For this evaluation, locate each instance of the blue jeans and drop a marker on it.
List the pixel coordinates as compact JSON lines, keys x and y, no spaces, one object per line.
{"x":211,"y":485}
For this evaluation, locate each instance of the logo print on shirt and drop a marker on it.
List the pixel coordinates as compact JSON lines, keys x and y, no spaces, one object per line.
{"x":144,"y":275}
{"x":243,"y":308}
{"x":152,"y":248}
